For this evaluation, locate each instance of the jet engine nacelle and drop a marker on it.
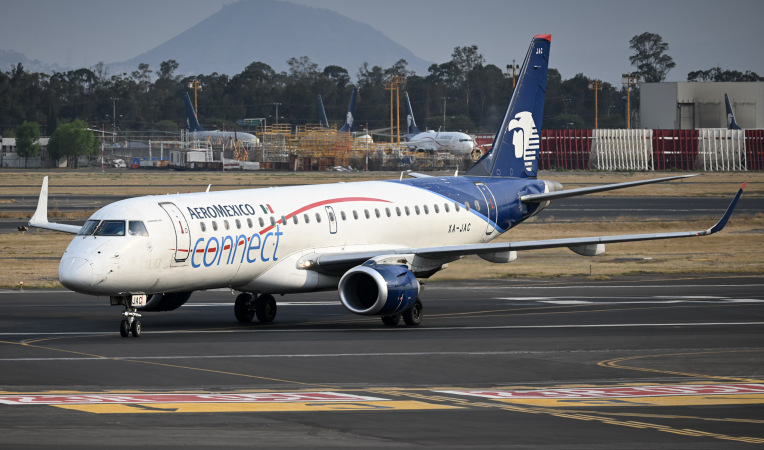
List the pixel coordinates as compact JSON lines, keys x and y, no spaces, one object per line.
{"x":165,"y":302}
{"x":378,"y":289}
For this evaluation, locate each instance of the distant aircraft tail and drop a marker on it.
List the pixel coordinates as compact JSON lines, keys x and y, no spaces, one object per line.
{"x":516,"y":145}
{"x":348,"y":126}
{"x":412,"y":128}
{"x":191,"y":121}
{"x":731,"y":123}
{"x":322,"y":120}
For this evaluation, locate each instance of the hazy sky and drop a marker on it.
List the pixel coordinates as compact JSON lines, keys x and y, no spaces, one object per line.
{"x":588,"y":36}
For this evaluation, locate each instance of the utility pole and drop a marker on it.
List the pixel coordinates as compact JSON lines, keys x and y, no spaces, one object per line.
{"x":629,"y":80}
{"x":513,"y":67}
{"x":277,"y":112}
{"x":114,"y":117}
{"x":195,"y":85}
{"x":444,"y":112}
{"x":596,"y":85}
{"x":392,"y":86}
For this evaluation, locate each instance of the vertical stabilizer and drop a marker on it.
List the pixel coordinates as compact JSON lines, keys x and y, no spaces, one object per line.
{"x":412,"y":128}
{"x":191,"y":121}
{"x":731,"y":123}
{"x":322,"y":119}
{"x":516,"y":145}
{"x":348,"y":126}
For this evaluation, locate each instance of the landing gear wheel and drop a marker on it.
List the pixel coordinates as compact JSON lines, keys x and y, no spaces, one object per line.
{"x":265,"y":308}
{"x":135,"y":328}
{"x":391,"y":320}
{"x":244,"y":308}
{"x":413,"y":316}
{"x":124,"y":328}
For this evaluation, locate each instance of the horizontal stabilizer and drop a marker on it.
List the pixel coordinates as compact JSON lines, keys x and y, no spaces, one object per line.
{"x":535,"y":198}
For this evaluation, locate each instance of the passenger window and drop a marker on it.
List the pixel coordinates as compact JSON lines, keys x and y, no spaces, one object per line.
{"x":238,"y":224}
{"x":294,"y":219}
{"x":477,"y":206}
{"x":437,"y":210}
{"x":214,"y":225}
{"x":426,"y":209}
{"x":225,"y":224}
{"x":366,"y":213}
{"x":445,"y":206}
{"x":331,"y":217}
{"x":376,"y":213}
{"x":456,"y":205}
{"x":202,"y":226}
{"x":249,"y":222}
{"x":398,"y":211}
{"x":467,"y":206}
{"x":262,"y":222}
{"x":273,"y":221}
{"x":283,"y":220}
{"x":408,"y":212}
{"x":416,"y":208}
{"x":355,"y":214}
{"x":88,"y":228}
{"x":343,"y":215}
{"x":137,"y":228}
{"x":306,"y":217}
{"x":318,"y":218}
{"x":387,"y":211}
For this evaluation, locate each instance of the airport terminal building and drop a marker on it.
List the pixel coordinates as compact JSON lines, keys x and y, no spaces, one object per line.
{"x":693,"y":105}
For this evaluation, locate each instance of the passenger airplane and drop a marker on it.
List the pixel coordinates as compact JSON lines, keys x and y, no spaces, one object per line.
{"x":454,"y":142}
{"x":369,"y":240}
{"x":196,"y":131}
{"x":347,"y":127}
{"x":731,"y":123}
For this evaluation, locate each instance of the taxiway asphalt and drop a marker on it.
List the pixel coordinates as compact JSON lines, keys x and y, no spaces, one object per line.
{"x":633,"y":362}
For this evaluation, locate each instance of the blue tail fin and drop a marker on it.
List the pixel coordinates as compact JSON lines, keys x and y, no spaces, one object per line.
{"x":516,"y":145}
{"x":322,"y":120}
{"x":731,"y":124}
{"x":348,"y":126}
{"x":191,"y":121}
{"x":412,"y":128}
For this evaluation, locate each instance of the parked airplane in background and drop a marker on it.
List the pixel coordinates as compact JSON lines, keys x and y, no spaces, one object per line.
{"x":370,"y":240}
{"x":731,"y":123}
{"x":454,"y":142}
{"x":198,"y":132}
{"x":347,"y":127}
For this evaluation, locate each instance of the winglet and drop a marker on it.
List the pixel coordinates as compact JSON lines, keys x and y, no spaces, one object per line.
{"x":40,"y":216}
{"x":723,"y":221}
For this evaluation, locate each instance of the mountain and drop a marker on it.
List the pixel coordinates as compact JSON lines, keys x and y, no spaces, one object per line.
{"x":271,"y":32}
{"x":10,"y":59}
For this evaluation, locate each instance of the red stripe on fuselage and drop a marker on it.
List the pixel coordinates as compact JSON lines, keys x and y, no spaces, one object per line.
{"x":322,"y":203}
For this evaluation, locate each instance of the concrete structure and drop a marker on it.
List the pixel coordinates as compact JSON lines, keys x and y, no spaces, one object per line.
{"x":687,"y":106}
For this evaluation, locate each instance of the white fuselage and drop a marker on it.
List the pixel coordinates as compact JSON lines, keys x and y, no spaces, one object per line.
{"x":252,"y":240}
{"x":454,"y":142}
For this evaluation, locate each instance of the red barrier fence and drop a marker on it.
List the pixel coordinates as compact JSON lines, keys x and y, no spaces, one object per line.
{"x":565,"y":149}
{"x":754,"y":149}
{"x":675,"y":149}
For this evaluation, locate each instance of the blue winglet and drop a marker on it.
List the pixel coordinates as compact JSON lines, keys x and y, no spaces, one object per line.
{"x":723,"y":221}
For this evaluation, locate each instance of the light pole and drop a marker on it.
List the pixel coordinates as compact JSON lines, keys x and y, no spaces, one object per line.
{"x":114,"y":112}
{"x":629,"y":80}
{"x":277,"y":112}
{"x":514,"y":67}
{"x":195,"y":85}
{"x":444,"y":112}
{"x":596,"y":85}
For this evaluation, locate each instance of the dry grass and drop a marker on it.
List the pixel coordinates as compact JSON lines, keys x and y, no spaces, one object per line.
{"x":33,"y":257}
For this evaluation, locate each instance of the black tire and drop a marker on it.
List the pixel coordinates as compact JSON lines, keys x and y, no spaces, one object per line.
{"x":392,"y":320}
{"x":244,"y":309}
{"x":265,"y":308}
{"x":413,"y":316}
{"x":136,"y":328}
{"x":124,"y":328}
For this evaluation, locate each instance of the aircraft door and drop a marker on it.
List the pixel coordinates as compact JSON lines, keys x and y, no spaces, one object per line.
{"x":182,"y":233}
{"x":492,"y":213}
{"x":332,"y":219}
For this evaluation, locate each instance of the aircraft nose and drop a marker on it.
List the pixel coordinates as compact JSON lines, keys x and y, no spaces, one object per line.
{"x":76,"y":274}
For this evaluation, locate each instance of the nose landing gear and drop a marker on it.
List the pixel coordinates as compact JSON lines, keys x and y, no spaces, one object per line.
{"x":131,"y":324}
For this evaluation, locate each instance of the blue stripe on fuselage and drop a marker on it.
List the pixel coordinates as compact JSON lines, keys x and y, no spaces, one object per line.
{"x":506,"y":191}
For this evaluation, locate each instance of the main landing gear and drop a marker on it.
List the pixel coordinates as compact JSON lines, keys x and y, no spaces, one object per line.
{"x":411,"y":317}
{"x":248,"y":306}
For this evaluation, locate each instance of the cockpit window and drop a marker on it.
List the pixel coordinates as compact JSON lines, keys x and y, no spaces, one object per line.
{"x":137,"y":228}
{"x":88,"y":228}
{"x":111,"y":228}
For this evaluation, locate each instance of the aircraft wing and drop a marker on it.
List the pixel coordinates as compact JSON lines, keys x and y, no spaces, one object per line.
{"x":334,"y":263}
{"x":556,"y":195}
{"x":40,"y":217}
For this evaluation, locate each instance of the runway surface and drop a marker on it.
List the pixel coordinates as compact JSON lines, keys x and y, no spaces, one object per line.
{"x":634,"y":362}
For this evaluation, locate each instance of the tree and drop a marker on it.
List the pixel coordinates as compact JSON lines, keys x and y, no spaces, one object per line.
{"x":27,"y":140}
{"x":465,"y":59}
{"x":72,"y":140}
{"x":717,"y":74}
{"x":650,"y":57}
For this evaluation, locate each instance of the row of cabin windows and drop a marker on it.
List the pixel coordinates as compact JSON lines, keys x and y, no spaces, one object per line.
{"x":306,"y":217}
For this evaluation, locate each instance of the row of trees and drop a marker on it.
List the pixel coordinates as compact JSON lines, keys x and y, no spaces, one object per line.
{"x":461,"y":94}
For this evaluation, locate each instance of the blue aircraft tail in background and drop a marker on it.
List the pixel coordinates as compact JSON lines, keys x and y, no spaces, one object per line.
{"x":731,"y":124}
{"x":516,"y":145}
{"x":322,"y":120}
{"x":348,"y":126}
{"x":191,"y":121}
{"x":412,"y":128}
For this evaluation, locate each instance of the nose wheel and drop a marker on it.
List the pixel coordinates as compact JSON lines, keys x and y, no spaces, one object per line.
{"x":131,"y":324}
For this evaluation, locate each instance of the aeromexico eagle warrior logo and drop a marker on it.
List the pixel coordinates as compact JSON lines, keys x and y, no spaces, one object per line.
{"x":349,"y":119}
{"x":525,"y":139}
